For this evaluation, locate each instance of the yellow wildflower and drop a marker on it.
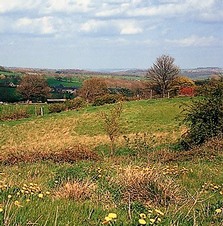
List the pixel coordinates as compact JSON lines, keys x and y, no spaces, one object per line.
{"x":218,"y":210}
{"x":112,"y":215}
{"x":1,"y":209}
{"x":142,"y":222}
{"x":40,"y":195}
{"x":152,"y":221}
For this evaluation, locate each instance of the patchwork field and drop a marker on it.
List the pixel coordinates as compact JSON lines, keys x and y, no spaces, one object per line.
{"x":57,"y":170}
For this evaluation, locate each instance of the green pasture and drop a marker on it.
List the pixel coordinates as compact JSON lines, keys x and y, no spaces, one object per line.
{"x":41,"y":192}
{"x":67,"y":82}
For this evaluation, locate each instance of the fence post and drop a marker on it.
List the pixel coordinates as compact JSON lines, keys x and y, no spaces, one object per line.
{"x":41,"y":111}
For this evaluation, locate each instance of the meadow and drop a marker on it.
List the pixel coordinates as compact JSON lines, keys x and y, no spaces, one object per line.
{"x":58,"y":170}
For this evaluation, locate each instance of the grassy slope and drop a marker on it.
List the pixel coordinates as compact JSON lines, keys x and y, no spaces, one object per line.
{"x":78,"y":126}
{"x":57,"y":131}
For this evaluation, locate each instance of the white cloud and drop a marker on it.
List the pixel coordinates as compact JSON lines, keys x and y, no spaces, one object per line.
{"x":43,"y":25}
{"x":106,"y":27}
{"x":194,"y":40}
{"x":21,"y":5}
{"x":67,"y":6}
{"x":129,"y":28}
{"x":92,"y":26}
{"x":172,"y":8}
{"x":112,"y":10}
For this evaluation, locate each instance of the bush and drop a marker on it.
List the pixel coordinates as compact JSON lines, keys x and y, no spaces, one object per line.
{"x":204,"y":117}
{"x":13,"y":112}
{"x":56,"y":108}
{"x":187,"y":91}
{"x":106,"y":99}
{"x":76,"y":103}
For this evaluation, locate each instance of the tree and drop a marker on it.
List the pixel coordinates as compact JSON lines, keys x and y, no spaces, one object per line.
{"x":204,"y":116}
{"x":93,"y":88}
{"x":162,"y":73}
{"x":34,"y":87}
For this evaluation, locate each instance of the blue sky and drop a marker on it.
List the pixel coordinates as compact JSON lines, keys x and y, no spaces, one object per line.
{"x":97,"y":34}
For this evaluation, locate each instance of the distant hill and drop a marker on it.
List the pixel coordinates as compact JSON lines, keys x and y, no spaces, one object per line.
{"x":194,"y":73}
{"x":202,"y":72}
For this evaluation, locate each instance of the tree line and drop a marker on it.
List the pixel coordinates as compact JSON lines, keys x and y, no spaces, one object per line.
{"x":163,"y":79}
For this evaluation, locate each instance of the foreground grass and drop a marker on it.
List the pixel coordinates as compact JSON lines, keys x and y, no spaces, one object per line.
{"x":51,"y":192}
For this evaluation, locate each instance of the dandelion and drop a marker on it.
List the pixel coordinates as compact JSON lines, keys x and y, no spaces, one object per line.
{"x":218,"y":210}
{"x":112,"y":215}
{"x":142,"y":222}
{"x":40,"y":195}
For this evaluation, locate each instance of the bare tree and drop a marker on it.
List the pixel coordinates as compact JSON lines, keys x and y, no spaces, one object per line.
{"x":163,"y":72}
{"x":112,"y":124}
{"x":33,"y":87}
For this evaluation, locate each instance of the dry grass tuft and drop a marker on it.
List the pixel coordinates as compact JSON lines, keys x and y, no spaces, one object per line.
{"x":72,"y":154}
{"x":76,"y":190}
{"x":148,"y":185}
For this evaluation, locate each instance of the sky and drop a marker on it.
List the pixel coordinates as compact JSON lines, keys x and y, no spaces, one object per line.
{"x":102,"y":34}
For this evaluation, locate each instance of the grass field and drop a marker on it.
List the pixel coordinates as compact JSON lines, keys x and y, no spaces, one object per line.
{"x":75,"y":81}
{"x":57,"y":170}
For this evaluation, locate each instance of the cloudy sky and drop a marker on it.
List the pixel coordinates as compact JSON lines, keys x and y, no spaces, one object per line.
{"x":96,"y":34}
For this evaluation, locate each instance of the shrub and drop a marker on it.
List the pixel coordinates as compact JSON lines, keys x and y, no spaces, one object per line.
{"x":204,"y":117}
{"x":187,"y":91}
{"x":76,"y":103}
{"x":111,"y":124}
{"x":56,"y":108}
{"x":106,"y":99}
{"x":13,"y":112}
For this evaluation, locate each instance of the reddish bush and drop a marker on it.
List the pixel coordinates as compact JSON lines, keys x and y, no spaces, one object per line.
{"x":187,"y":91}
